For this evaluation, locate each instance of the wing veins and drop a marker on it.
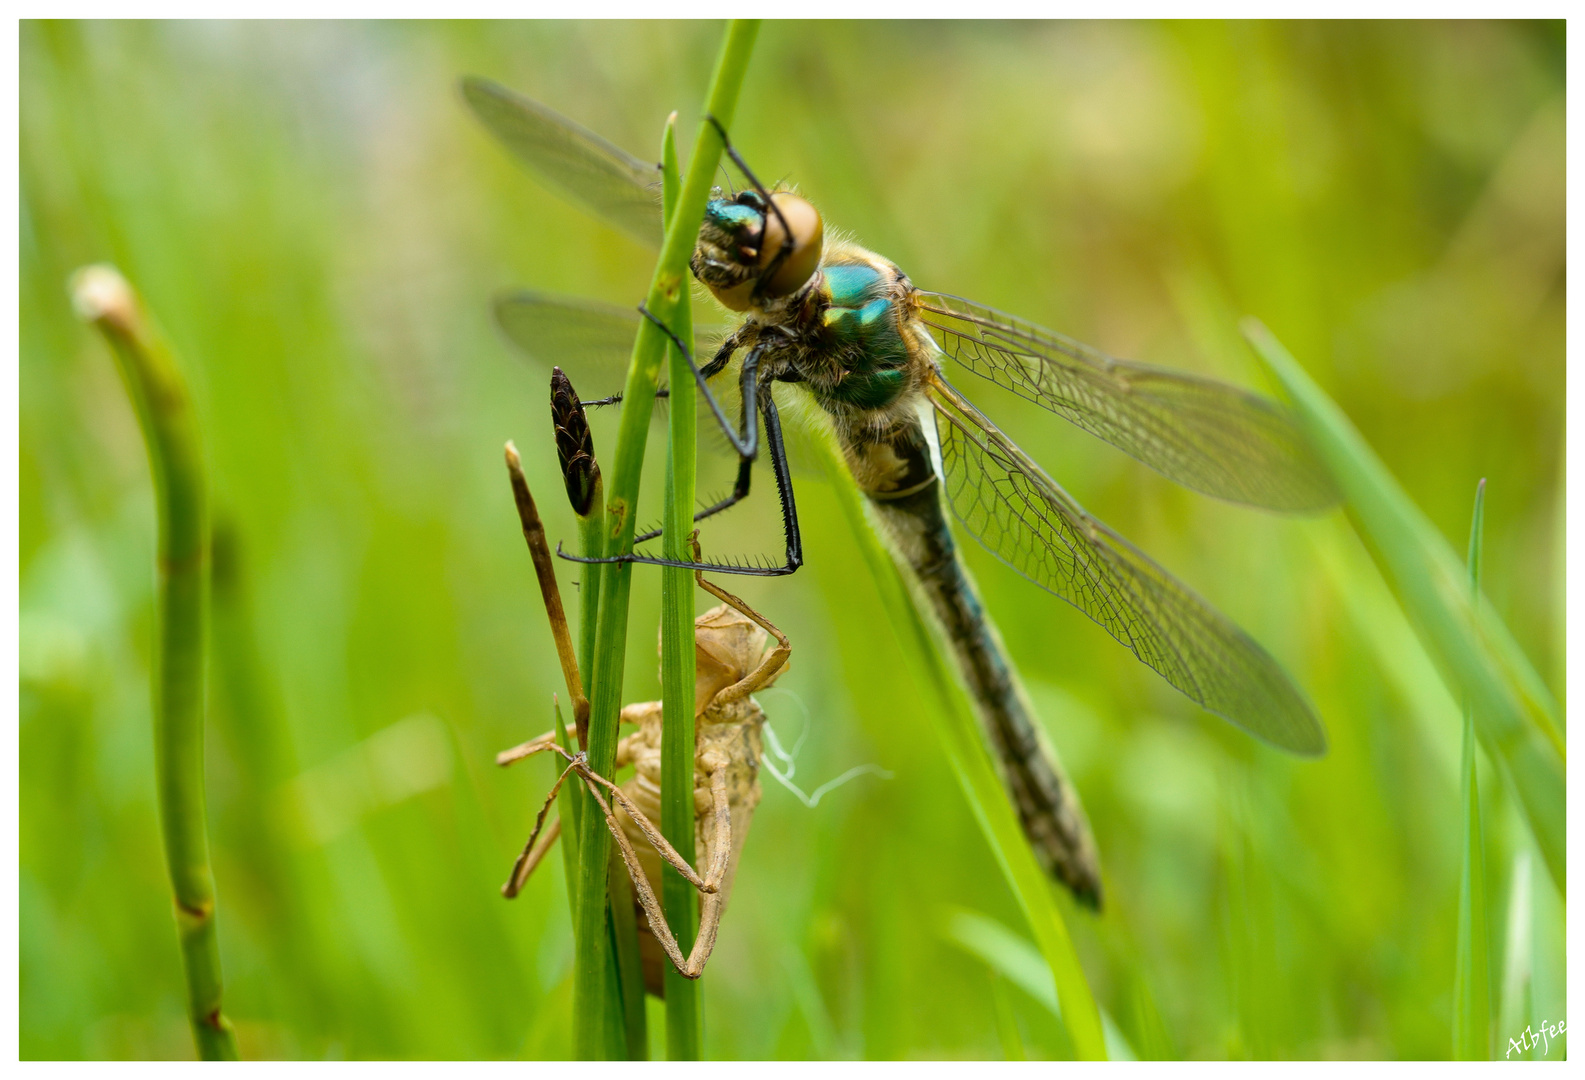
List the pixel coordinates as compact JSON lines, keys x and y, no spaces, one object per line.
{"x":1208,"y":435}
{"x":1069,"y":553}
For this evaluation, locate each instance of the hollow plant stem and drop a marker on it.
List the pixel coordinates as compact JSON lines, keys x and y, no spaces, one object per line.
{"x":684,"y":1019}
{"x":103,"y":297}
{"x":667,"y":287}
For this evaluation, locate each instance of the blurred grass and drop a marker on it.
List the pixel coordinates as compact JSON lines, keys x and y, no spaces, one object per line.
{"x":1472,"y":1015}
{"x":960,"y":733}
{"x":1517,"y":721}
{"x":321,"y":224}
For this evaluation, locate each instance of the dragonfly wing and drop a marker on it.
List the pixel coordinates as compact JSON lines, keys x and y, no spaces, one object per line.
{"x":579,"y":164}
{"x":1206,"y":435}
{"x":568,"y":332}
{"x":1024,"y":518}
{"x":558,"y":330}
{"x":593,"y":341}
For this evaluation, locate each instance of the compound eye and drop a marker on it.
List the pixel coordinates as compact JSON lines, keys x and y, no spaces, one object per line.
{"x":808,"y":242}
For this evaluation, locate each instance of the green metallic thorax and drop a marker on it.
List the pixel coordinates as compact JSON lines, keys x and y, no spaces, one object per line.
{"x":861,"y":328}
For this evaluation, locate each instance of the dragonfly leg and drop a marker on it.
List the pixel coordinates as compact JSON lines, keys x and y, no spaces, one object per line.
{"x":616,"y":399}
{"x":776,"y":445}
{"x":722,"y":357}
{"x":745,"y":443}
{"x":740,"y":489}
{"x":784,"y":488}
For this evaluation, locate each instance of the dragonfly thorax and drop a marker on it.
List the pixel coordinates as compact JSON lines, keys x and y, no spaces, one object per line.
{"x":849,"y":338}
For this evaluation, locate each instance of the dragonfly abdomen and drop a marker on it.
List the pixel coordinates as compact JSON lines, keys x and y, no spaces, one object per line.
{"x":909,"y":505}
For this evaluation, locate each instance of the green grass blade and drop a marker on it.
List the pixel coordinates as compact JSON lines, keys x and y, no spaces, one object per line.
{"x":1477,"y":528}
{"x":1518,"y":953}
{"x":959,"y":731}
{"x":1516,"y":719}
{"x":170,"y":433}
{"x":1472,"y":967}
{"x":667,"y":287}
{"x":1006,"y":1021}
{"x":1020,"y":963}
{"x":684,"y":1017}
{"x":573,"y":797}
{"x":628,"y":968}
{"x":570,"y":806}
{"x":591,"y":537}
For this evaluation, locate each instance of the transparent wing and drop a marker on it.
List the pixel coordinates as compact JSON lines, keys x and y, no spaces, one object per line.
{"x":1206,"y":435}
{"x":569,"y":332}
{"x":593,"y":342}
{"x":1032,"y":525}
{"x":603,"y":178}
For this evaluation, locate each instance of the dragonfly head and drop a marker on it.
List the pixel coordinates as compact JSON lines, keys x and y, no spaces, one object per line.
{"x":745,"y":256}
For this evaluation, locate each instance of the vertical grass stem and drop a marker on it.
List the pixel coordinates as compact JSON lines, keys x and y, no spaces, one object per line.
{"x":684,"y":1018}
{"x":103,"y":297}
{"x":667,"y":287}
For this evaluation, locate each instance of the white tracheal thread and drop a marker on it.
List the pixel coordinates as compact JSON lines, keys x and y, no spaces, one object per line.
{"x":773,"y":746}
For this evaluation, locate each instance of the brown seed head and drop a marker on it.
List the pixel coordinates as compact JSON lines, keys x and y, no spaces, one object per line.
{"x":574,"y":443}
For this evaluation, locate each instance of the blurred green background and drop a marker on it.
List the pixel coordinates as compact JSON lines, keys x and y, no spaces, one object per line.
{"x":318,"y":223}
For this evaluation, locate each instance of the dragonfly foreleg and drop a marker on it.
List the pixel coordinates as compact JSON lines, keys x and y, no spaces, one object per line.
{"x":740,"y":489}
{"x":746,"y":443}
{"x":777,"y":447}
{"x":718,"y":362}
{"x":616,"y":399}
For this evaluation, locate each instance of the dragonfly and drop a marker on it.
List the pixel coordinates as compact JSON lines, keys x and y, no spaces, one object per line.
{"x":873,"y":350}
